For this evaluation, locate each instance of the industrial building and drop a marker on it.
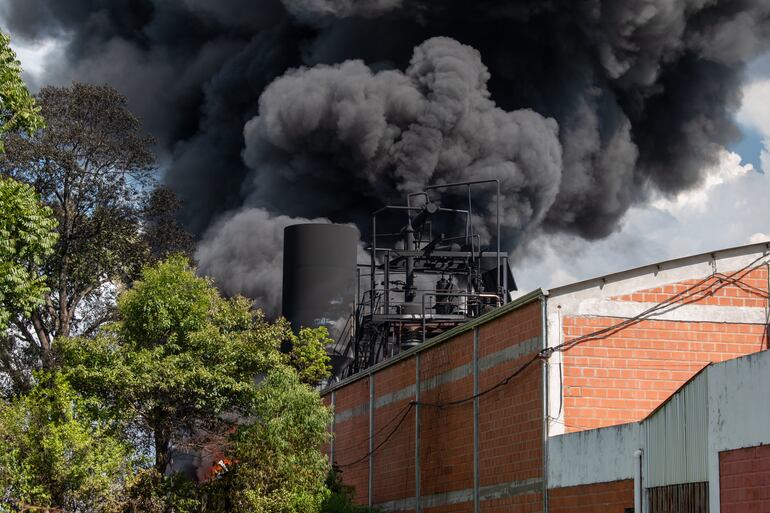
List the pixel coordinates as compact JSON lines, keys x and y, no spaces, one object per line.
{"x":627,"y":392}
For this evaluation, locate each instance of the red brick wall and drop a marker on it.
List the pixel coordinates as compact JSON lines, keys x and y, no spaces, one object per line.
{"x":614,"y":497}
{"x":744,"y":480}
{"x":394,"y":464}
{"x":625,"y":376}
{"x":714,"y":291}
{"x":351,"y":437}
{"x":510,"y":421}
{"x":511,"y":418}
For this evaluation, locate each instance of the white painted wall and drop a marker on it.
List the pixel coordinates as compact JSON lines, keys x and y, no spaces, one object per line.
{"x":738,"y":416}
{"x":594,"y":456}
{"x":592,"y":297}
{"x":739,"y":410}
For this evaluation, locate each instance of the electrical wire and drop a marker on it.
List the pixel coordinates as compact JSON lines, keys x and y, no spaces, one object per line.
{"x":494,"y":387}
{"x":671,"y":303}
{"x":383,"y":442}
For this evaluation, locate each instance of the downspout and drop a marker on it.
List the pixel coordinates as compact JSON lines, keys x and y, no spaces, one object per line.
{"x":544,"y":334}
{"x":638,"y":481}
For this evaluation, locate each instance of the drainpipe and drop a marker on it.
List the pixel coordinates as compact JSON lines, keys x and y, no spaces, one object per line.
{"x":638,"y":481}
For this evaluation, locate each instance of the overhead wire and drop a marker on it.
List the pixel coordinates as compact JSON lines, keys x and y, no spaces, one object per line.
{"x":676,"y":300}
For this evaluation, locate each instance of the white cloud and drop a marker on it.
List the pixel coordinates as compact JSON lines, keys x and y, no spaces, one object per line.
{"x":728,"y":168}
{"x":35,"y":57}
{"x":731,"y":208}
{"x":755,"y":114}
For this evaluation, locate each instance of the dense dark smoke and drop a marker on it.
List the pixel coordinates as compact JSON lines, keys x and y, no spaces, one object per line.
{"x":329,"y":108}
{"x":235,"y":242}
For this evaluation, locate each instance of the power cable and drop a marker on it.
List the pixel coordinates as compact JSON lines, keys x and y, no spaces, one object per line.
{"x":544,"y":354}
{"x":384,"y":441}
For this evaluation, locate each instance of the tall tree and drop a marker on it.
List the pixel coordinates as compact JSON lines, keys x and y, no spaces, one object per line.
{"x":94,"y":168}
{"x":18,"y":110}
{"x":162,"y":232}
{"x":180,"y":358}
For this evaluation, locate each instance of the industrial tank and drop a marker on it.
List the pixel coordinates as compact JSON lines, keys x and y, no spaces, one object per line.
{"x":319,"y":275}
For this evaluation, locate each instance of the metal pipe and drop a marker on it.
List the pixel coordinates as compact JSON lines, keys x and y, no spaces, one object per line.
{"x":387,"y":282}
{"x":334,"y":427}
{"x":374,"y":262}
{"x":458,"y":184}
{"x":371,"y":437}
{"x":638,"y":481}
{"x":409,"y":246}
{"x":506,"y":295}
{"x":417,"y":386}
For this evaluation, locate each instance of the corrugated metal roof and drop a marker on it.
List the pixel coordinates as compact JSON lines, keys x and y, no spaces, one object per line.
{"x":677,"y":437}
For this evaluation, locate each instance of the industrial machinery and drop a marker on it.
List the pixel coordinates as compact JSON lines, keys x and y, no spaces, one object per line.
{"x":433,"y":272}
{"x":432,"y":266}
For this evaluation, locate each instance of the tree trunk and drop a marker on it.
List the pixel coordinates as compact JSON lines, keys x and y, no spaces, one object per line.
{"x":162,"y":434}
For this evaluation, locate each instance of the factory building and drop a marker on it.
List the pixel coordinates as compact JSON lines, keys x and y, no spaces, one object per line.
{"x":628,"y":392}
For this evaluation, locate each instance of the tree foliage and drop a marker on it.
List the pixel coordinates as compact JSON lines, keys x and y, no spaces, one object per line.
{"x":163,"y":234}
{"x":94,"y":168}
{"x":278,"y":465}
{"x":183,"y":367}
{"x":308,"y":354}
{"x":18,"y":111}
{"x":340,"y":497}
{"x":53,"y":453}
{"x":181,"y":357}
{"x":27,"y":237}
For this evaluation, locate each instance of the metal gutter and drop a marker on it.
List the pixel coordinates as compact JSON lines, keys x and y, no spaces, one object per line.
{"x":660,"y":266}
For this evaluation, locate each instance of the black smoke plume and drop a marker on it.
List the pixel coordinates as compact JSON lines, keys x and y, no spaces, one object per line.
{"x":330,"y":108}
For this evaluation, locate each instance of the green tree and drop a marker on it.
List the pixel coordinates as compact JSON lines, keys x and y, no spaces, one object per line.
{"x":94,"y":168}
{"x":180,"y":359}
{"x":278,"y":467}
{"x":17,"y":107}
{"x":53,"y":453}
{"x":182,"y":369}
{"x":26,"y":237}
{"x":308,"y":354}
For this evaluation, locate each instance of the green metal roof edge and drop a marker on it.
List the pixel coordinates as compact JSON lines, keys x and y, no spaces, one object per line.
{"x":494,"y":314}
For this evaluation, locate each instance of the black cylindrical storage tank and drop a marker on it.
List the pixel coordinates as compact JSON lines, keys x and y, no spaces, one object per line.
{"x":319,"y":275}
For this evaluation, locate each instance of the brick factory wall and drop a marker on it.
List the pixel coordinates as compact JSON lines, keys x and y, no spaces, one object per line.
{"x":612,"y":497}
{"x":510,"y":423}
{"x":744,"y":480}
{"x":623,"y":377}
{"x":351,"y":432}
